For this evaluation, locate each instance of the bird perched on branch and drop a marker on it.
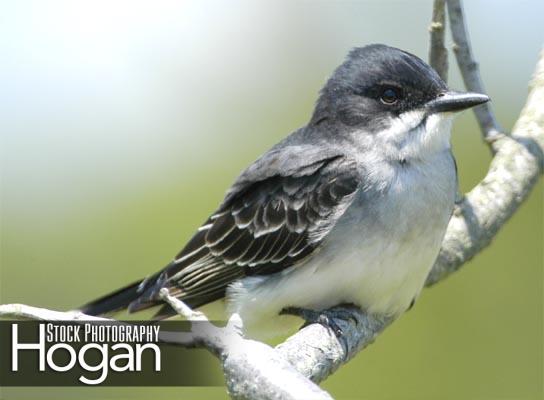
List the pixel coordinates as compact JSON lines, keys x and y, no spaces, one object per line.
{"x":351,"y":208}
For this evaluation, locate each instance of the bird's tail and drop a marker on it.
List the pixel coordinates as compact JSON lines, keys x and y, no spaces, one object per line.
{"x":118,"y":300}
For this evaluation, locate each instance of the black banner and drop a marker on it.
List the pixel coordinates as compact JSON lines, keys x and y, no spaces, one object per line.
{"x":89,"y":353}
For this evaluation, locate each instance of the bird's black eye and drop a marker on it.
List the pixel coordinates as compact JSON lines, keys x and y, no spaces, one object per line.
{"x":389,"y":96}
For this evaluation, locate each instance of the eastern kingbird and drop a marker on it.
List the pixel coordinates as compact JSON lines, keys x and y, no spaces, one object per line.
{"x":351,"y":208}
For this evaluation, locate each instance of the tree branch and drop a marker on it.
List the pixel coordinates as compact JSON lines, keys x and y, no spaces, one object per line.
{"x":254,"y":370}
{"x":513,"y":172}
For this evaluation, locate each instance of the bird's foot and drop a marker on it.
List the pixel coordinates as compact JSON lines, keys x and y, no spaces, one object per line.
{"x":323,"y":317}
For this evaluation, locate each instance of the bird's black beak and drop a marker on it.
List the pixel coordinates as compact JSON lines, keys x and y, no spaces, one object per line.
{"x":455,"y":101}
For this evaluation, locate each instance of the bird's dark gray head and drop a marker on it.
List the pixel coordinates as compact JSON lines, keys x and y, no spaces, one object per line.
{"x":378,"y":83}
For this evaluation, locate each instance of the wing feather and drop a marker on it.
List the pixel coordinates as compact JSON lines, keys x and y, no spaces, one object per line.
{"x":263,"y":226}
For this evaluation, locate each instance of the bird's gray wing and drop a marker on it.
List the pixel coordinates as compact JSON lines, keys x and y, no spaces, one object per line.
{"x":276,"y":214}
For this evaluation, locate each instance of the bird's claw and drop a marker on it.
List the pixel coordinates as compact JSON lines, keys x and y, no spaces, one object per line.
{"x":325,"y":318}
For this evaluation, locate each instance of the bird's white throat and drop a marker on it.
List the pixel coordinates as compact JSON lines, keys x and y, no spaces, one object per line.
{"x":415,"y":135}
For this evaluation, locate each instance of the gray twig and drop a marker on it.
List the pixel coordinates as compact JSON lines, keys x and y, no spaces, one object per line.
{"x":470,"y":71}
{"x":438,"y":54}
{"x":22,"y":311}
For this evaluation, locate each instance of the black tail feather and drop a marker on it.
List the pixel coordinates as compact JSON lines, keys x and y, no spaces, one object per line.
{"x":118,"y":300}
{"x":143,"y":294}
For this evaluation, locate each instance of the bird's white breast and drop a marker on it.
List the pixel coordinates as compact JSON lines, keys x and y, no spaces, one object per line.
{"x":377,"y":256}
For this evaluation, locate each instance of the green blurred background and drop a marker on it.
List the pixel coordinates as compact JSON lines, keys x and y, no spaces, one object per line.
{"x":122,"y":123}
